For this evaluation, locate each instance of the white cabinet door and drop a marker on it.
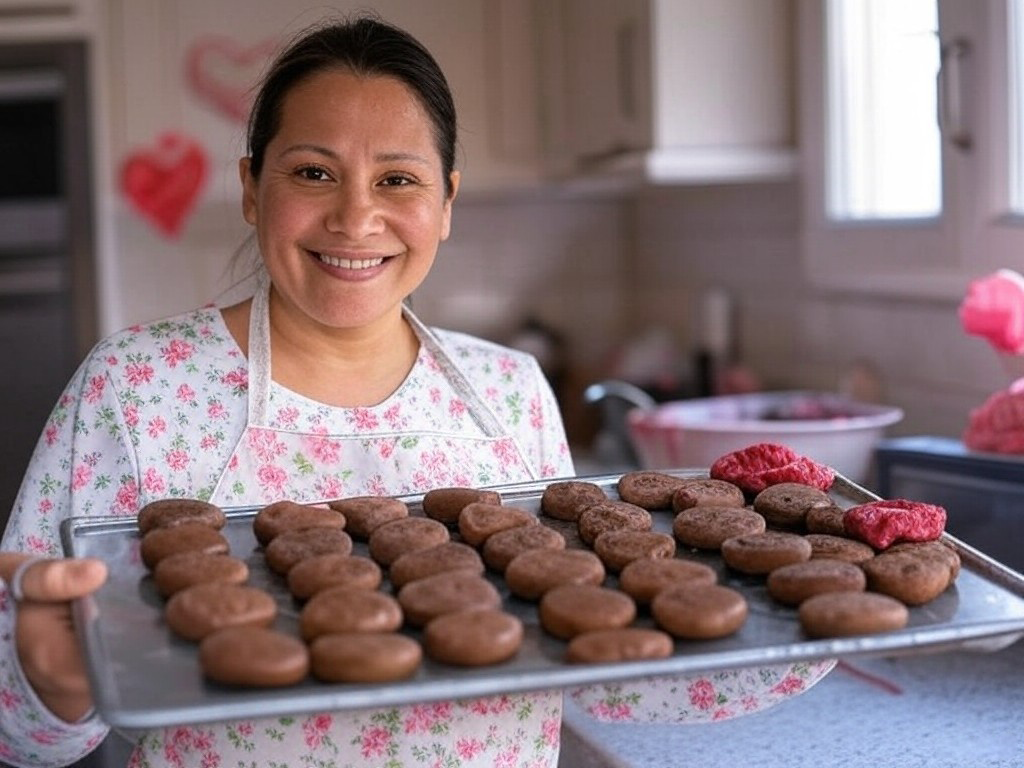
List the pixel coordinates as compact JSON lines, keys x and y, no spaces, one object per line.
{"x":682,"y":90}
{"x":607,"y":49}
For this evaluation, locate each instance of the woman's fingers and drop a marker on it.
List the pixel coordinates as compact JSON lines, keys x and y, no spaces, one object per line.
{"x":44,"y":633}
{"x":52,"y":581}
{"x":52,"y":659}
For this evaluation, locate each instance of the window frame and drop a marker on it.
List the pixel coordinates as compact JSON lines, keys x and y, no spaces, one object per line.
{"x":975,"y":233}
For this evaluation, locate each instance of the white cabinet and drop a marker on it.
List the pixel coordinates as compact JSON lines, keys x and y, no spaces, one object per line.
{"x":669,"y":90}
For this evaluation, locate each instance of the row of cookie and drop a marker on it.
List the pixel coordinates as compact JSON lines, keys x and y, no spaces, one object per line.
{"x":438,"y":587}
{"x":536,"y":565}
{"x":711,"y":514}
{"x":206,"y":598}
{"x":800,"y":567}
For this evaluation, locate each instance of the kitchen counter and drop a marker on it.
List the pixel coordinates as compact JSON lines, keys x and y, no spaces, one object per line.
{"x":938,"y":710}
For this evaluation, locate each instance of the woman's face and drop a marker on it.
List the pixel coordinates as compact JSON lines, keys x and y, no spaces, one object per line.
{"x":350,"y":205}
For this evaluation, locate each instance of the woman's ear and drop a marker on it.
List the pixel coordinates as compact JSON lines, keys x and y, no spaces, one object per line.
{"x":248,"y":190}
{"x":446,"y":225}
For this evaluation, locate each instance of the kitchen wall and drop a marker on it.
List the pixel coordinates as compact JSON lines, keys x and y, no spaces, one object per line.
{"x":602,"y":270}
{"x":746,"y":239}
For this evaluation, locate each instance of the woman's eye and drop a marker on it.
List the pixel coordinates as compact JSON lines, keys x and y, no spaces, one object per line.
{"x":312,"y":173}
{"x":396,"y":180}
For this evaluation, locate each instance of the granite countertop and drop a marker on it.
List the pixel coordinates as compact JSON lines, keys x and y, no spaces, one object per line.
{"x":939,"y":710}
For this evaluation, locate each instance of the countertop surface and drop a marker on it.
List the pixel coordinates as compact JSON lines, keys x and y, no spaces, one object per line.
{"x":955,"y":709}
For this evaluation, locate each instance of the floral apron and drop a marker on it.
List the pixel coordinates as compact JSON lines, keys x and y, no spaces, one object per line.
{"x":267,"y":465}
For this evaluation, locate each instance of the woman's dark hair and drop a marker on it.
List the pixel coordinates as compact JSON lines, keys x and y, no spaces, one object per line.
{"x":366,"y":46}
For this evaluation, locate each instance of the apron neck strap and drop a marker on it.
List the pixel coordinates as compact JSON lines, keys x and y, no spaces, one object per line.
{"x":259,"y":351}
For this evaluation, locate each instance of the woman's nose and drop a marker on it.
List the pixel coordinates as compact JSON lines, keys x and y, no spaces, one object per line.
{"x":353,"y":212}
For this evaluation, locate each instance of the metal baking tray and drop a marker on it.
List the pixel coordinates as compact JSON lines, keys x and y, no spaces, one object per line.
{"x":144,"y":677}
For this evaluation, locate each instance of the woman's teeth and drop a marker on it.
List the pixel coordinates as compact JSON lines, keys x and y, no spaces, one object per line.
{"x":350,"y":263}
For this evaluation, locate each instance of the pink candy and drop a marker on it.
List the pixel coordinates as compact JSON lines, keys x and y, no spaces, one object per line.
{"x":994,"y":310}
{"x":883,"y":523}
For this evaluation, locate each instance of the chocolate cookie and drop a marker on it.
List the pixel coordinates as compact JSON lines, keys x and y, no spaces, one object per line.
{"x":185,"y":537}
{"x":535,"y":571}
{"x":826,"y":546}
{"x":369,"y":657}
{"x":625,"y":644}
{"x":320,"y":572}
{"x":699,"y":612}
{"x":706,"y":527}
{"x":643,"y":579}
{"x":196,"y":611}
{"x":500,"y":549}
{"x":794,"y":583}
{"x":648,"y":489}
{"x":473,"y":638}
{"x":176,"y":572}
{"x":430,"y":597}
{"x":393,"y":539}
{"x":166,"y":513}
{"x":566,"y":499}
{"x":706,"y":491}
{"x":939,"y":549}
{"x":342,"y":610}
{"x":479,"y":520}
{"x":449,"y":556}
{"x":281,"y":516}
{"x":910,"y":578}
{"x":611,"y":516}
{"x":760,"y":553}
{"x":617,"y":549}
{"x":842,"y":614}
{"x":786,"y":505}
{"x":445,"y":504}
{"x":827,"y":520}
{"x":573,"y":609}
{"x":364,"y":514}
{"x":253,"y":656}
{"x":291,"y":547}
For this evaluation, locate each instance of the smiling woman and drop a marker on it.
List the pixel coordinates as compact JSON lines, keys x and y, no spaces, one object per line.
{"x":323,"y":385}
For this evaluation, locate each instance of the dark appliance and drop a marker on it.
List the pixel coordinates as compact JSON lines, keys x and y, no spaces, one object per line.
{"x":983,"y":494}
{"x":47,"y":291}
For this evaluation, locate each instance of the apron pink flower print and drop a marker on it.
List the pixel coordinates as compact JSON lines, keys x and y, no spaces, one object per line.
{"x":275,"y":460}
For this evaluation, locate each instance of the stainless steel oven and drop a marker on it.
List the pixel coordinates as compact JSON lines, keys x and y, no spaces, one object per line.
{"x":47,"y":296}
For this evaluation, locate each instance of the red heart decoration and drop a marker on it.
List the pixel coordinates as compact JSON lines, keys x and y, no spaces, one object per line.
{"x":163,"y":183}
{"x":222,"y":73}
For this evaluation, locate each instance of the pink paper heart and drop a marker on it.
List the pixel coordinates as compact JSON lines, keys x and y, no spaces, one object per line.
{"x":163,"y":182}
{"x":994,"y":309}
{"x":222,"y":73}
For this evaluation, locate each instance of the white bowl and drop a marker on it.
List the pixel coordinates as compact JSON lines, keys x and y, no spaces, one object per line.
{"x":826,"y":427}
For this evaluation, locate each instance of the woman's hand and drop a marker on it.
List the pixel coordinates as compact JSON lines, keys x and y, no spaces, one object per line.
{"x":46,"y":643}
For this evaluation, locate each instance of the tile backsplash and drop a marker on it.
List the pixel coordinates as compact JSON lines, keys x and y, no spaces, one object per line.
{"x":604,"y":270}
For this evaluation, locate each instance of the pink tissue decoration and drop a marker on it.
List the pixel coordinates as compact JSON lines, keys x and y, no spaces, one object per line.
{"x":997,"y":425}
{"x":994,"y":310}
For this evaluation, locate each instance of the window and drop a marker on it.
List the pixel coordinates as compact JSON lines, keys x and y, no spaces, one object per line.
{"x":884,"y":153}
{"x":912,"y":143}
